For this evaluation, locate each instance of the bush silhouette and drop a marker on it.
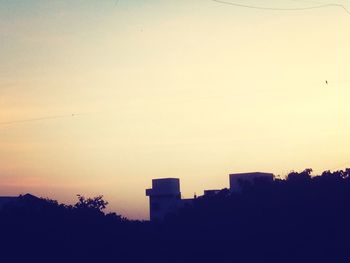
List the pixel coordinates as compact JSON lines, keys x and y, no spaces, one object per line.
{"x":302,"y":218}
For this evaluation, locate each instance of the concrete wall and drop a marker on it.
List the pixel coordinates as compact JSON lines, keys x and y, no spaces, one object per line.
{"x":164,"y":197}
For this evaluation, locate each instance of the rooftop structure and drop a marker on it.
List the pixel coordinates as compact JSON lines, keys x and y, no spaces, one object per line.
{"x":165,"y":195}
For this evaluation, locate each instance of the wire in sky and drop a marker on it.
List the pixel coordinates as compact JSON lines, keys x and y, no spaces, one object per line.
{"x":282,"y":9}
{"x":39,"y":119}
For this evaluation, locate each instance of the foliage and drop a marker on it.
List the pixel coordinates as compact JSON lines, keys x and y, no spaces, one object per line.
{"x":303,"y":218}
{"x":96,"y":203}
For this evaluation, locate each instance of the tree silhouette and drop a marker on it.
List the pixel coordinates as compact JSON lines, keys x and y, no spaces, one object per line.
{"x":304,"y":176}
{"x":96,"y":203}
{"x":303,"y":218}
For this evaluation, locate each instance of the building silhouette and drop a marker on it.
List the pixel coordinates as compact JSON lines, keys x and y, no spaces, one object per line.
{"x":15,"y":200}
{"x":4,"y":200}
{"x":165,"y":195}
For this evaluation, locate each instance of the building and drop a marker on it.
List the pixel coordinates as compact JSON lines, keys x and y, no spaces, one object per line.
{"x":211,"y":192}
{"x":237,"y":179}
{"x":165,"y":195}
{"x":4,"y":200}
{"x":17,"y":200}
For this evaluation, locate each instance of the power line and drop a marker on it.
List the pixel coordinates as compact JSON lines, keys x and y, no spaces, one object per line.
{"x":38,"y":119}
{"x":282,"y":9}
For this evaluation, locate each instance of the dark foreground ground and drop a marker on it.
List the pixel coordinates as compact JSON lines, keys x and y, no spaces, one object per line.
{"x":300,"y":219}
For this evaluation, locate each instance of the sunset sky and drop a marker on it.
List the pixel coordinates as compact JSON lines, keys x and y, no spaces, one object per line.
{"x":192,"y":89}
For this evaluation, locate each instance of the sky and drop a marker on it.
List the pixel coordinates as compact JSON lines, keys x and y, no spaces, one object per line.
{"x":100,"y":97}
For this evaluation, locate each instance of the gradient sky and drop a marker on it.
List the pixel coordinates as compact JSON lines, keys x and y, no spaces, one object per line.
{"x":191,"y":89}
